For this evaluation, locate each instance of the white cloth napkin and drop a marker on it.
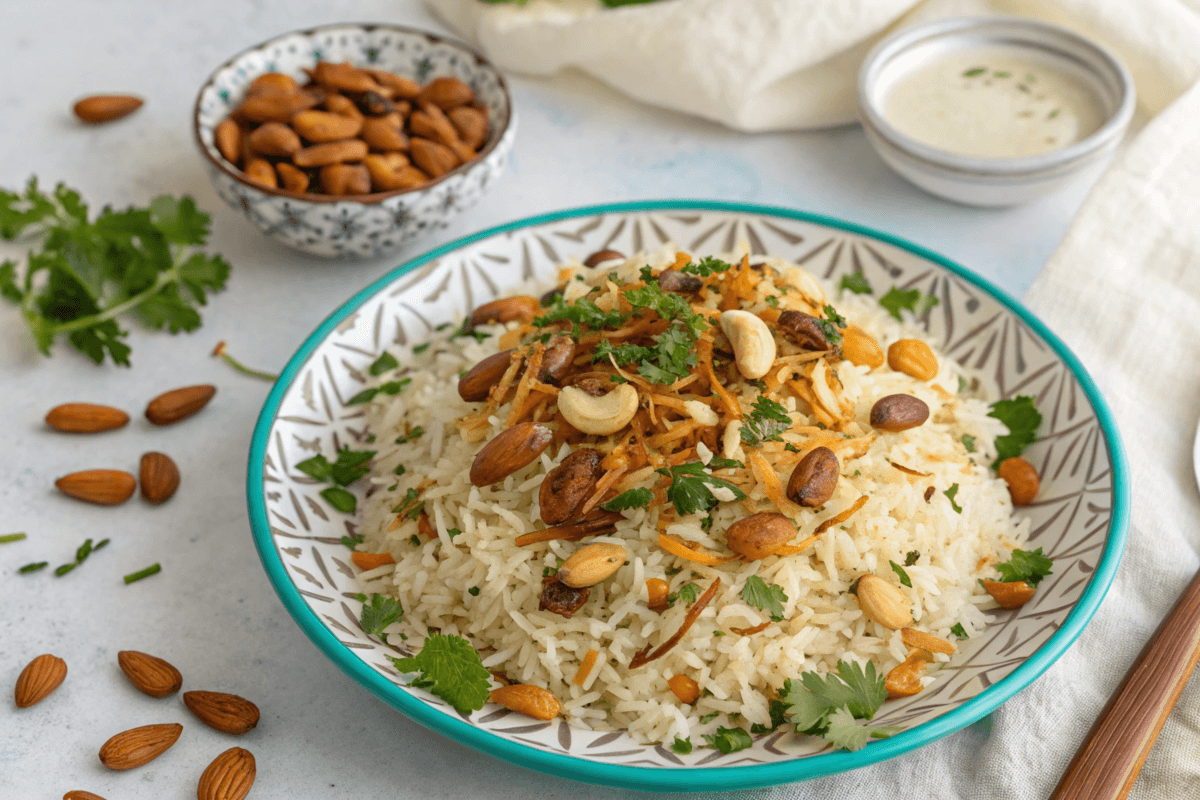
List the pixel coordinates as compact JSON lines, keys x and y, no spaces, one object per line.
{"x":1123,"y":291}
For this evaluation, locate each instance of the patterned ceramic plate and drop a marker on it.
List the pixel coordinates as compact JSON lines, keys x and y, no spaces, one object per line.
{"x":1080,"y":517}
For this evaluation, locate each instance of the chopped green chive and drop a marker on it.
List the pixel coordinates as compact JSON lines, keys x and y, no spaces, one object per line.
{"x":153,"y":569}
{"x":11,"y":537}
{"x":971,"y":73}
{"x":34,"y":567}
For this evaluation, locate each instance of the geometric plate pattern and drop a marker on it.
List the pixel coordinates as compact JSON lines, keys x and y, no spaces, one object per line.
{"x":1073,"y":519}
{"x":356,"y":228}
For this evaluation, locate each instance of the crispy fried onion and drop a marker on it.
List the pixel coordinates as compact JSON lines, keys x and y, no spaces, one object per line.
{"x":700,"y":556}
{"x":641,"y":659}
{"x":910,"y":470}
{"x":572,"y":531}
{"x":837,"y":519}
{"x":750,"y":631}
{"x":585,"y":667}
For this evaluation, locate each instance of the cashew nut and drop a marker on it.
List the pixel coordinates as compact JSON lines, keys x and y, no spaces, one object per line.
{"x":598,"y":416}
{"x":806,"y":286}
{"x":753,"y":344}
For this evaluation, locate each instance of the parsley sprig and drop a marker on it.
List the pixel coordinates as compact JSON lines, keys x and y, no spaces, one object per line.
{"x":349,"y":466}
{"x":673,"y":353}
{"x":766,"y":420}
{"x":634,"y":498}
{"x":378,"y":612}
{"x":450,"y":669}
{"x":83,"y":275}
{"x":1021,"y":417}
{"x":765,"y":597}
{"x":1028,"y":566}
{"x":897,"y":300}
{"x":829,"y":706}
{"x":692,"y":483}
{"x":707,"y":266}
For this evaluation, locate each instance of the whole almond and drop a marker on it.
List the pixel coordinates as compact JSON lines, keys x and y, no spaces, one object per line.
{"x":435,"y":159}
{"x":292,"y":178}
{"x":522,"y":308}
{"x":227,"y":713}
{"x":532,"y":701}
{"x":325,"y":126}
{"x":404,"y":88}
{"x":759,"y":535}
{"x":384,"y":134}
{"x":320,"y":155}
{"x":260,"y":170}
{"x":273,"y":83}
{"x":389,"y":171}
{"x":340,"y":104}
{"x":79,"y":794}
{"x":471,"y":124}
{"x":591,"y":564}
{"x":344,"y":77}
{"x":228,"y":138}
{"x":477,"y":382}
{"x":446,"y":93}
{"x":106,"y":107}
{"x":345,"y":179}
{"x":228,"y":777}
{"x":85,"y":418}
{"x":105,"y":487}
{"x":138,"y":746}
{"x":275,"y":107}
{"x":275,"y":139}
{"x":510,"y":450}
{"x":170,"y":407}
{"x":149,"y":674}
{"x":432,"y":123}
{"x":39,"y":678}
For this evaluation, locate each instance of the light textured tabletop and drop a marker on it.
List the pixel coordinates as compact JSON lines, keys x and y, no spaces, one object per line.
{"x":211,"y":611}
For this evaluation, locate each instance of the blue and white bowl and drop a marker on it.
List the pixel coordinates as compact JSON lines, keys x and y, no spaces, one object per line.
{"x":366,"y":226}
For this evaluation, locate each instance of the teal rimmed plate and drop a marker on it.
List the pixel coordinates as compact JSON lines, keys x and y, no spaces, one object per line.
{"x":1080,"y":517}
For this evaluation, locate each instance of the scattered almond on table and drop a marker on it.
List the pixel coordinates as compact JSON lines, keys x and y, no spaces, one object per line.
{"x":229,"y":777}
{"x":39,"y":678}
{"x":102,"y":108}
{"x":150,"y":674}
{"x":137,"y":747}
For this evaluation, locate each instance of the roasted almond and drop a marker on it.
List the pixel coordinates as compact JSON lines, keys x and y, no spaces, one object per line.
{"x":759,"y":535}
{"x":228,"y":138}
{"x":105,"y":487}
{"x":898,"y":412}
{"x":477,"y":382}
{"x":566,"y":488}
{"x":432,"y":123}
{"x":814,"y":478}
{"x":387,"y":171}
{"x":344,"y":77}
{"x":591,"y":564}
{"x":435,"y":159}
{"x":260,"y":170}
{"x":532,"y":701}
{"x":275,"y":107}
{"x":1009,"y":594}
{"x":1022,"y":479}
{"x":79,"y":794}
{"x":149,"y":674}
{"x":228,"y":777}
{"x":273,"y":83}
{"x":471,"y":124}
{"x":522,"y":308}
{"x":106,"y":107}
{"x":325,"y":126}
{"x":177,"y":404}
{"x":884,"y":603}
{"x":384,"y":134}
{"x":85,"y":418}
{"x":510,"y":450}
{"x":292,"y":178}
{"x":340,"y":104}
{"x":227,"y":713}
{"x":321,"y":155}
{"x":404,"y":88}
{"x":446,"y":93}
{"x":345,"y":179}
{"x":138,"y":746}
{"x":39,"y":678}
{"x":275,"y":139}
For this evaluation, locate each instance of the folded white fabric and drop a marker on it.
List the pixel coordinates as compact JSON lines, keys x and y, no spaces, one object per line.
{"x":758,"y":65}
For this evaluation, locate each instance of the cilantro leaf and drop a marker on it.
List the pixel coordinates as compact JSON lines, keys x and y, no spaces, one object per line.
{"x":959,"y":631}
{"x":350,"y":465}
{"x":385,"y":363}
{"x":681,"y":746}
{"x":317,"y":467}
{"x":729,"y":740}
{"x":690,"y":487}
{"x":814,"y":698}
{"x":897,"y":300}
{"x":340,"y":499}
{"x":832,"y":324}
{"x":1028,"y":566}
{"x":582,"y":313}
{"x":391,"y":388}
{"x":855,"y":282}
{"x":767,"y":419}
{"x":673,"y":353}
{"x":899,"y":570}
{"x":968,"y":442}
{"x":707,"y":266}
{"x":634,"y":498}
{"x":450,"y":669}
{"x":707,"y":718}
{"x":764,"y":596}
{"x":847,"y":733}
{"x":379,"y":612}
{"x":409,"y":506}
{"x":1021,"y":417}
{"x":80,"y":276}
{"x":689,"y":593}
{"x":950,"y":493}
{"x":911,"y":557}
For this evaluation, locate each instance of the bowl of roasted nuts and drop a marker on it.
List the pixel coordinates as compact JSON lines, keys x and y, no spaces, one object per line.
{"x":350,"y":140}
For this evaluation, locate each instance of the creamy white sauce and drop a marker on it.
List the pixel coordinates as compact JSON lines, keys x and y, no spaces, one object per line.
{"x":993,"y":104}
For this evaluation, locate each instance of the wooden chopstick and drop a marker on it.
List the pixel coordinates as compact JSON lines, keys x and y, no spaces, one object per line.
{"x":1107,"y":763}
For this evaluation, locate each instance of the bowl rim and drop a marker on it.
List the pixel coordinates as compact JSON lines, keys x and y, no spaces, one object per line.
{"x":374,"y":198}
{"x":688,"y":778}
{"x":1064,"y":160}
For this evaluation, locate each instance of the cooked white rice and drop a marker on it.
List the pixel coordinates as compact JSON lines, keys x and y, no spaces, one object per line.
{"x":823,"y":623}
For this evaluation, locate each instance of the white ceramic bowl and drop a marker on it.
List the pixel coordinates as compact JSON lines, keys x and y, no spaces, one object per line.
{"x":1080,"y":516}
{"x":366,"y":226}
{"x":993,"y":181}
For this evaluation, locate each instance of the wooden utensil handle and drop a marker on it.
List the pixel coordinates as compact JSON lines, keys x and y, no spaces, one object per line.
{"x":1106,"y":765}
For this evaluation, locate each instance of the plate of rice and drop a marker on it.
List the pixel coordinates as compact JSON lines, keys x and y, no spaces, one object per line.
{"x":688,"y":495}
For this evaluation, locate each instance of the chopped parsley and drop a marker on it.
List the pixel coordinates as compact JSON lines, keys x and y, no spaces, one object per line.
{"x":673,"y":353}
{"x":765,"y":597}
{"x":1028,"y":566}
{"x":831,"y":324}
{"x":974,"y":71}
{"x":421,"y":348}
{"x":467,"y":329}
{"x":450,"y":669}
{"x":453,"y":532}
{"x":897,"y":300}
{"x":911,"y":557}
{"x":689,"y":592}
{"x":400,"y":469}
{"x":969,"y":442}
{"x":340,"y":499}
{"x":415,"y":433}
{"x":352,"y":541}
{"x":348,"y":467}
{"x":1022,"y":419}
{"x":378,"y":612}
{"x":385,"y":363}
{"x":829,"y":706}
{"x":707,"y":718}
{"x":959,"y":631}
{"x":707,"y":266}
{"x":950,"y":493}
{"x":11,"y":537}
{"x":729,"y":740}
{"x":767,"y":419}
{"x":582,"y":313}
{"x":681,"y":746}
{"x":778,"y":711}
{"x":391,"y":388}
{"x":414,"y":540}
{"x":409,"y":506}
{"x":690,"y":490}
{"x":634,"y":498}
{"x":473,"y":591}
{"x":855,"y":282}
{"x":899,"y":570}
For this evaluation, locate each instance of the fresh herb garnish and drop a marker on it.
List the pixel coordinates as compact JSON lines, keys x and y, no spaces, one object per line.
{"x":452,"y":532}
{"x":682,"y":746}
{"x":707,"y":266}
{"x":421,"y":348}
{"x":1021,"y":417}
{"x":1028,"y":566}
{"x":855,"y":282}
{"x":897,"y":300}
{"x":409,"y":506}
{"x":765,"y":596}
{"x":81,"y":554}
{"x":133,"y":577}
{"x":767,"y":419}
{"x":582,"y":313}
{"x":352,"y":541}
{"x":379,"y":612}
{"x":778,"y":710}
{"x":899,"y":570}
{"x":391,"y":388}
{"x":143,"y":261}
{"x":959,"y":631}
{"x":828,"y":706}
{"x":349,"y":466}
{"x":971,"y":73}
{"x":634,"y":498}
{"x":707,"y":718}
{"x":729,"y":740}
{"x":34,"y":567}
{"x":690,"y":485}
{"x":831,"y":324}
{"x":450,"y":669}
{"x":473,"y":591}
{"x":415,"y":433}
{"x":911,"y":557}
{"x":467,"y":329}
{"x":340,"y":499}
{"x":673,"y":353}
{"x":688,"y":593}
{"x":11,"y":537}
{"x":385,"y":363}
{"x":950,"y":493}
{"x":968,"y":442}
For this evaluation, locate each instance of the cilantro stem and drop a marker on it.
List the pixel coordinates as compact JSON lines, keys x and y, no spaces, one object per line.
{"x":240,"y":367}
{"x":11,"y":537}
{"x":153,"y":569}
{"x":133,"y":301}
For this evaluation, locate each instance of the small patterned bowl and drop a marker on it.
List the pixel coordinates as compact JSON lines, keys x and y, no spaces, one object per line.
{"x":1080,"y":515}
{"x":371,"y":225}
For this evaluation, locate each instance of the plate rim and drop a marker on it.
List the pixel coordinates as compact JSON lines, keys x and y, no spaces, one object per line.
{"x":688,"y":778}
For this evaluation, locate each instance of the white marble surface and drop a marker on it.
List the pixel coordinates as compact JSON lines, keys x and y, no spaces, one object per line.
{"x":211,"y":611}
